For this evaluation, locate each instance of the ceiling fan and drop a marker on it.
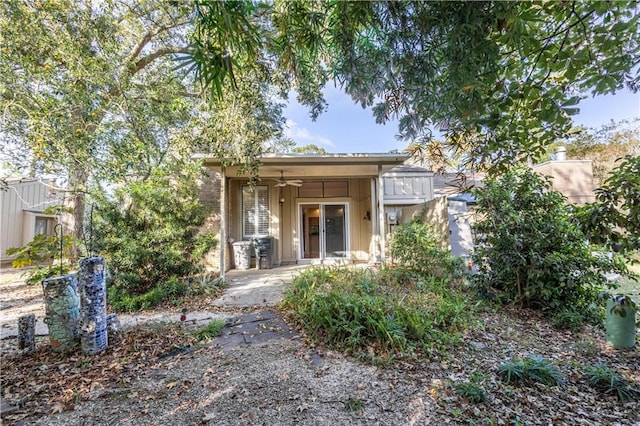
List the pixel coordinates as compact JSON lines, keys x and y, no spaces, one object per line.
{"x":284,"y":182}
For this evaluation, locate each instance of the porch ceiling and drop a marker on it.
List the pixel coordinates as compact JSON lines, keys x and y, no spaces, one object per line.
{"x":317,"y":165}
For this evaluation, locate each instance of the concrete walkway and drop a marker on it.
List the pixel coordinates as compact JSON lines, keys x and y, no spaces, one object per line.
{"x":257,"y":288}
{"x":251,"y":288}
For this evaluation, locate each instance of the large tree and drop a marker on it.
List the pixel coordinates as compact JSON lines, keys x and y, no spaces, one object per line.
{"x":92,"y":91}
{"x":501,"y":79}
{"x":85,"y":91}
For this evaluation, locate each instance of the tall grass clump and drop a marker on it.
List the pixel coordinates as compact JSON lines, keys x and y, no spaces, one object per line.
{"x":377,"y":315}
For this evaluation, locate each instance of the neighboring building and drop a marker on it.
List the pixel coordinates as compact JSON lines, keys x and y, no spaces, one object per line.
{"x":316,"y":207}
{"x":21,"y":213}
{"x":571,"y":178}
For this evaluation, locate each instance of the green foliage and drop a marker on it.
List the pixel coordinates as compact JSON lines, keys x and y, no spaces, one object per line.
{"x":43,"y":253}
{"x":604,"y":379}
{"x":473,"y":392}
{"x":122,"y":300}
{"x":39,"y":273}
{"x":529,"y":247}
{"x":414,"y":246}
{"x":472,"y":389}
{"x":621,"y":303}
{"x":94,"y":94}
{"x":529,"y":370}
{"x":205,"y":284}
{"x":614,"y":219}
{"x":308,"y":149}
{"x":209,"y":331}
{"x":354,"y":405}
{"x":568,"y":319}
{"x":149,"y":231}
{"x":378,"y":315}
{"x":498,"y":76}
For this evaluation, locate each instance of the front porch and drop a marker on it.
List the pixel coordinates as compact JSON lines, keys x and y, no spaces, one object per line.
{"x":316,"y":208}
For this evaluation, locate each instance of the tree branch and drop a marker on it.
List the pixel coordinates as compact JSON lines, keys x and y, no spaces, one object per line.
{"x":146,"y":60}
{"x":147,"y":38}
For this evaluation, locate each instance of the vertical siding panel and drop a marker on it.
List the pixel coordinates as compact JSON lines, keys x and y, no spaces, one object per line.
{"x":30,"y":195}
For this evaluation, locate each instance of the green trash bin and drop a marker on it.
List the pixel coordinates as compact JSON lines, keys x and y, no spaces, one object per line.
{"x":620,"y":324}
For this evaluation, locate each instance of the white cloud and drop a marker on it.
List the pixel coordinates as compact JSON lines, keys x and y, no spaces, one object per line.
{"x":303,"y":136}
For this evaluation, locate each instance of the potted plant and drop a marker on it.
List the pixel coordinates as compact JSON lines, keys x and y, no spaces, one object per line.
{"x":620,"y":323}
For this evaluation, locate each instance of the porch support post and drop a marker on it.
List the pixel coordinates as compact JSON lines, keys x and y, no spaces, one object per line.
{"x":381,"y":227}
{"x":374,"y":245}
{"x":223,"y":220}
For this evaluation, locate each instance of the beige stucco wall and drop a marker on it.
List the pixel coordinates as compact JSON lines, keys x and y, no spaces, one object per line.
{"x":434,"y":212}
{"x":572,"y":178}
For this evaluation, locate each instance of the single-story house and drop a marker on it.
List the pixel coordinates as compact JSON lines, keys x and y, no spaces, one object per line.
{"x":22,"y":217}
{"x":317,"y":208}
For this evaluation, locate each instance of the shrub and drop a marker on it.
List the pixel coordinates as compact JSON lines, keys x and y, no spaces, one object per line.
{"x":529,"y":247}
{"x":122,"y":300}
{"x":414,"y":246}
{"x":529,"y":370}
{"x":604,"y":379}
{"x":388,"y":313}
{"x":148,"y":231}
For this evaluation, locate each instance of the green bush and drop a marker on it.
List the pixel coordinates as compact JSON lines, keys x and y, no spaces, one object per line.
{"x":391,"y":312}
{"x":604,"y":379}
{"x":148,"y":231}
{"x":122,"y":300}
{"x":529,"y":370}
{"x":414,"y":246}
{"x":531,"y":250}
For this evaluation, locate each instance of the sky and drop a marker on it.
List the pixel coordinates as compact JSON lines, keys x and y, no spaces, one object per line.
{"x":346,"y":127}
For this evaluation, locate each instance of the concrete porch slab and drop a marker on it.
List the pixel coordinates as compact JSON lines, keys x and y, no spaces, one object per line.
{"x":257,"y":287}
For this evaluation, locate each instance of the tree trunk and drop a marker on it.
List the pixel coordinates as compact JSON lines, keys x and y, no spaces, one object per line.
{"x":73,"y":220}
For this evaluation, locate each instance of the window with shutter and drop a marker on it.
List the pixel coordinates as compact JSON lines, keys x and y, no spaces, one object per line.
{"x":255,"y":211}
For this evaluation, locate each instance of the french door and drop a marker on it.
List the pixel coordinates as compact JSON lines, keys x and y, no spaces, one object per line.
{"x":324,"y":230}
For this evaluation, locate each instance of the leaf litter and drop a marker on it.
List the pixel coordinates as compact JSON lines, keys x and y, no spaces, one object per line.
{"x":291,"y":380}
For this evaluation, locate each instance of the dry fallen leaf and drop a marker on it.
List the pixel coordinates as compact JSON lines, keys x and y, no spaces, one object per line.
{"x":58,"y":407}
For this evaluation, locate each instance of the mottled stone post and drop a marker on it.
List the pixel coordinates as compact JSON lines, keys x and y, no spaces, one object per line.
{"x":27,"y":333}
{"x":62,"y":311}
{"x":93,"y":300}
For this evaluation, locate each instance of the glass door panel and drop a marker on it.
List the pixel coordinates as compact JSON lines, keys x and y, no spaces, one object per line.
{"x":323,"y":228}
{"x":310,"y":220}
{"x":335,"y":241}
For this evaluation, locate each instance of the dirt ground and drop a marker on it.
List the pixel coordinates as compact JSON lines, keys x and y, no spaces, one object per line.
{"x":264,"y":371}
